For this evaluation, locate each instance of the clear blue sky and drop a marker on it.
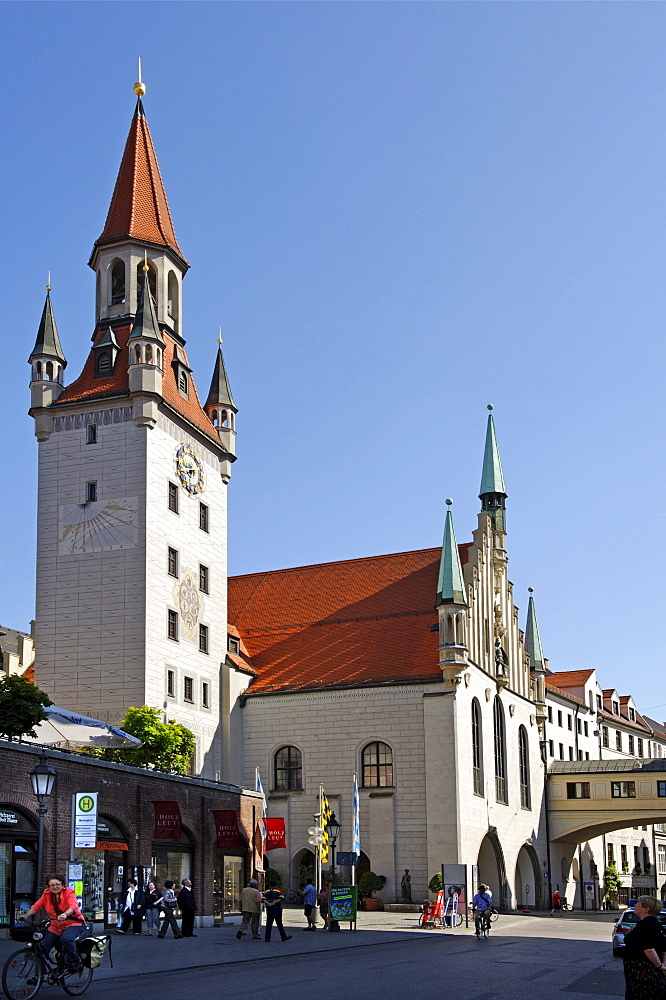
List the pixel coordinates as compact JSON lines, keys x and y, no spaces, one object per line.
{"x":398,"y":213}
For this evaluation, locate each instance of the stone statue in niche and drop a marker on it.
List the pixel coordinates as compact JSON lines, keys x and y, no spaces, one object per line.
{"x":406,"y":887}
{"x":501,"y":659}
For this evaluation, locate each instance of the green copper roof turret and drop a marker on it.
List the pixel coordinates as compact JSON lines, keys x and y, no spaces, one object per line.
{"x":145,"y":321}
{"x":47,"y":343}
{"x":450,"y":584}
{"x":492,"y":479}
{"x":532,"y":638}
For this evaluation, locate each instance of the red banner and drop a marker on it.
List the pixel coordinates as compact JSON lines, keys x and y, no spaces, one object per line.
{"x":167,"y":821}
{"x":226,"y":828}
{"x":275,"y":834}
{"x":259,"y":842}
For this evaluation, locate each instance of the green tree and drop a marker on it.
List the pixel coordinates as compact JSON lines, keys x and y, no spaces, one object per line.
{"x":435,"y":883}
{"x":369,"y":883}
{"x":21,"y":707}
{"x":167,"y":746}
{"x":611,"y":879}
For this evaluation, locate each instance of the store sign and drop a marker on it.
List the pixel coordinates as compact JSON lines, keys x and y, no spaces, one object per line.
{"x":342,"y":902}
{"x":85,"y":819}
{"x":167,"y":821}
{"x":8,"y":818}
{"x":226,"y":828}
{"x":111,"y":845}
{"x":275,"y":834}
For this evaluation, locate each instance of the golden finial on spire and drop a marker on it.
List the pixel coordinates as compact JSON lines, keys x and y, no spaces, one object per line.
{"x":219,"y":336}
{"x":145,"y":260}
{"x":48,"y":283}
{"x":139,"y":86}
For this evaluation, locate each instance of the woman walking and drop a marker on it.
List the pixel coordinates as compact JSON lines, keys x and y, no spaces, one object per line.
{"x":644,"y":969}
{"x":169,"y":905}
{"x":153,"y":899}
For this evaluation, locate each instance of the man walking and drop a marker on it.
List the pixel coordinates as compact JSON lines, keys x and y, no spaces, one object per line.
{"x":310,"y":901}
{"x":187,"y":906}
{"x":251,"y":910}
{"x":273,"y":900}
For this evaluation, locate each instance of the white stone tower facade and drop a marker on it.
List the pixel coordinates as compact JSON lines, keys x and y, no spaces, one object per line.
{"x":133,"y":474}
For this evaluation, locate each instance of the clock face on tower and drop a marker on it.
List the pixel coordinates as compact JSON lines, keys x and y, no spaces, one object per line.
{"x":98,"y":526}
{"x":190,"y":470}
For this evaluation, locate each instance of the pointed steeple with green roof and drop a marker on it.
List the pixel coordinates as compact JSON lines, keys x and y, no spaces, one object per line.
{"x":532,"y":639}
{"x":47,"y":344}
{"x":493,"y":491}
{"x":145,"y":325}
{"x":450,"y":584}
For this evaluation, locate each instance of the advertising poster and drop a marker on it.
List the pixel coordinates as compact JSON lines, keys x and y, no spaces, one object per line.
{"x":342,"y":903}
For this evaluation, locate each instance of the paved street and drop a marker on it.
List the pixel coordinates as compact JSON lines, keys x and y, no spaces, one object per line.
{"x":530,"y":958}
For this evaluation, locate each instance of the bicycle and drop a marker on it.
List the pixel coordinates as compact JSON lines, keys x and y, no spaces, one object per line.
{"x":482,"y":920}
{"x":27,"y":970}
{"x":494,"y":913}
{"x":293,"y":897}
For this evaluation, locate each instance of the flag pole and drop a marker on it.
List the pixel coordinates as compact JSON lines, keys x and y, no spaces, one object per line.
{"x":353,"y":871}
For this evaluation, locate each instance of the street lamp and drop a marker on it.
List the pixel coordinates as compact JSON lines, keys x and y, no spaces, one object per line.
{"x":42,"y":778}
{"x":333,"y":833}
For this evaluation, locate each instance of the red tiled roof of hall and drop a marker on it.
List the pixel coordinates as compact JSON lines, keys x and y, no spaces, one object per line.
{"x":341,"y":624}
{"x":139,"y":207}
{"x":570,"y":678}
{"x":87,"y":388}
{"x":563,"y":693}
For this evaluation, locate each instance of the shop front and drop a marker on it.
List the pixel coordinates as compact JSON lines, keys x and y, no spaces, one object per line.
{"x":18,"y":863}
{"x":230,"y":859}
{"x":172,"y":859}
{"x":104,"y":872}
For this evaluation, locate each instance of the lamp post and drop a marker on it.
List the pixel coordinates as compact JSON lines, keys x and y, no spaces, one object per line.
{"x":333,"y":834}
{"x":42,"y":778}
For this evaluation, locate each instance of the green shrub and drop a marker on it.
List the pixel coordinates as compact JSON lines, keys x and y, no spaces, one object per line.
{"x":273,"y":877}
{"x":435,"y":883}
{"x":369,"y":883}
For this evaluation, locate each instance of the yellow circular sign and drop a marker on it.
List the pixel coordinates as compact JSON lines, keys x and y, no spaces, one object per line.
{"x":86,"y":804}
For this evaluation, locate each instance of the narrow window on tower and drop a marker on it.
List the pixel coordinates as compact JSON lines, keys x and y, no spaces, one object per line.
{"x":205,"y":694}
{"x":188,"y":689}
{"x":203,"y":517}
{"x":203,"y":638}
{"x":172,"y":625}
{"x":91,"y":434}
{"x":172,"y":562}
{"x":91,"y":491}
{"x":173,"y":497}
{"x":171,"y":684}
{"x":203,"y":579}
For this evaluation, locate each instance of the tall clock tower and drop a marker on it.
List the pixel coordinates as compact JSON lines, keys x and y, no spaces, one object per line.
{"x":133,"y":474}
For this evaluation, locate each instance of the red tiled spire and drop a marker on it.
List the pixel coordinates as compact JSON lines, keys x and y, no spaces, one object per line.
{"x":139,"y":208}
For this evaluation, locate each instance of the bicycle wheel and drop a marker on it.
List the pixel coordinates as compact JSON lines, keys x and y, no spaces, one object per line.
{"x":493,"y":916}
{"x":76,"y":981}
{"x":459,"y":919}
{"x":22,"y":975}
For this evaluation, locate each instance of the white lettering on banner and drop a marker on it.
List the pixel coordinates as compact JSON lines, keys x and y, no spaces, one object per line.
{"x":85,"y":819}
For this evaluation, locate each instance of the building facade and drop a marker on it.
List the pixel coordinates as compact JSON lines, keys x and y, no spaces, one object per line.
{"x":133,"y":474}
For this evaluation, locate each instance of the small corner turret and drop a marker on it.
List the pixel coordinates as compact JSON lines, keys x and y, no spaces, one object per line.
{"x":47,"y":363}
{"x":493,"y":491}
{"x":220,"y":407}
{"x":534,"y":653}
{"x":146,"y":347}
{"x":451,"y":604}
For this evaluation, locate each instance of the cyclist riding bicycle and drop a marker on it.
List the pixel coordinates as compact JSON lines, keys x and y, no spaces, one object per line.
{"x":60,"y":904}
{"x":482,"y":903}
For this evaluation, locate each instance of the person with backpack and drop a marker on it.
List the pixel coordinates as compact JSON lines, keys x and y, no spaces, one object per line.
{"x":169,"y":903}
{"x":482,"y":904}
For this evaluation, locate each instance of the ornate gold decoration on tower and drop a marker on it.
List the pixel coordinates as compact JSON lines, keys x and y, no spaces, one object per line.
{"x":139,"y":87}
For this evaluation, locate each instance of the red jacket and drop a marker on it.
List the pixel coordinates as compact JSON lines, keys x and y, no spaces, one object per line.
{"x":66,"y":901}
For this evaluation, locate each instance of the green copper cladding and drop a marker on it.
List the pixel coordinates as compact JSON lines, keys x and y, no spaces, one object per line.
{"x":533,"y":640}
{"x":492,"y":479}
{"x":450,"y":585}
{"x":48,"y":341}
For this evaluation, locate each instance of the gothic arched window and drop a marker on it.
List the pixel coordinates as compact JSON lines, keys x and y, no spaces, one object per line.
{"x":499,"y":732}
{"x":477,"y":748}
{"x":524,"y":768}
{"x":152,"y":278}
{"x":117,"y":282}
{"x":288,"y":769}
{"x":377,"y":766}
{"x":172,"y":297}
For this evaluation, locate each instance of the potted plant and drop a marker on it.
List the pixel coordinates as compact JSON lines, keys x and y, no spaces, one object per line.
{"x":369,"y":883}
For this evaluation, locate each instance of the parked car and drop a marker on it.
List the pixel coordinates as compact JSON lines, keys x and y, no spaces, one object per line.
{"x":625,"y":923}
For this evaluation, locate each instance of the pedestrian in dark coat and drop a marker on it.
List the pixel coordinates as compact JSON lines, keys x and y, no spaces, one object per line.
{"x":644,"y":948}
{"x":132,"y":906}
{"x":188,"y":908}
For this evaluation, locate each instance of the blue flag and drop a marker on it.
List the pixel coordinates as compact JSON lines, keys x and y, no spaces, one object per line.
{"x":356,"y":836}
{"x":259,"y":788}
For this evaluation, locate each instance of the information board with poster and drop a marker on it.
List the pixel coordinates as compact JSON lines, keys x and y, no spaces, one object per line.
{"x":342,"y":903}
{"x":75,"y":881}
{"x":454,"y":880}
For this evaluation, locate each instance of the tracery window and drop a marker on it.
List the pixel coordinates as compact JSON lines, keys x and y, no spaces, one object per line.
{"x":499,"y":732}
{"x":477,"y":748}
{"x":524,"y":767}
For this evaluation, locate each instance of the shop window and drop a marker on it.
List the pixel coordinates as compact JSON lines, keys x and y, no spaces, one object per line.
{"x":104,"y":871}
{"x":172,"y":859}
{"x":288,"y":774}
{"x":18,"y":856}
{"x":377,"y":765}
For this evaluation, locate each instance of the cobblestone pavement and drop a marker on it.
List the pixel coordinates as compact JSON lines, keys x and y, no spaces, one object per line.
{"x":389,"y":956}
